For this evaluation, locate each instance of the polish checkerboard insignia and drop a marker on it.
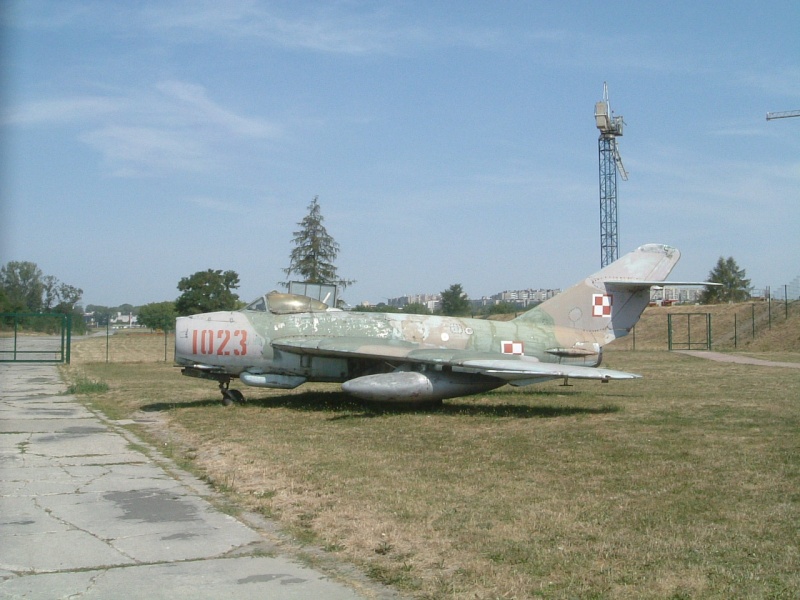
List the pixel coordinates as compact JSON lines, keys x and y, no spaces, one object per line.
{"x":601,"y":305}
{"x":512,"y":348}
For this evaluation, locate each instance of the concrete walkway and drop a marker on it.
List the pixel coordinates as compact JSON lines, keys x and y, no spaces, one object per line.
{"x":85,"y":514}
{"x":738,"y":359}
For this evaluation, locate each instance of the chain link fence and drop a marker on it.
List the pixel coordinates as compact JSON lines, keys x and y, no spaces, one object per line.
{"x":124,"y":345}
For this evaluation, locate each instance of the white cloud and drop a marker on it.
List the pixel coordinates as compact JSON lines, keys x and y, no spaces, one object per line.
{"x":171,"y":127}
{"x":203,"y":110}
{"x":341,"y":28}
{"x":61,"y":110}
{"x":141,"y":151}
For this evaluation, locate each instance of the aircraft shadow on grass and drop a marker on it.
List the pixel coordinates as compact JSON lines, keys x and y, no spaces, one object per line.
{"x":346,"y":407}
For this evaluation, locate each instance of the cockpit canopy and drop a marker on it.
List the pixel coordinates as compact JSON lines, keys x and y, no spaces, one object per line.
{"x":286,"y":304}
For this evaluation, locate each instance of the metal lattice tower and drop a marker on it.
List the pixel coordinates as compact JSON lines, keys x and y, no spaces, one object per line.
{"x":610,"y":162}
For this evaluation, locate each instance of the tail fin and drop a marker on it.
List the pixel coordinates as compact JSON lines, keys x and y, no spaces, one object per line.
{"x":607,"y":305}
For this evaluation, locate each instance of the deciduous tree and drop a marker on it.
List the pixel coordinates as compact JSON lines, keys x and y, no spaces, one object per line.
{"x":416,"y":308}
{"x":158,"y":315}
{"x":23,"y":285}
{"x":503,"y":308}
{"x":28,"y":290}
{"x":208,"y":291}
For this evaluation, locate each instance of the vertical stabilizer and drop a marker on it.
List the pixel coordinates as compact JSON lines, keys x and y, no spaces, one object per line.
{"x":607,"y":305}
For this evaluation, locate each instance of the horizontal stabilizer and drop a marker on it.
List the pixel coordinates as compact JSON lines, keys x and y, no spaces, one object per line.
{"x":632,"y":285}
{"x":522,"y":370}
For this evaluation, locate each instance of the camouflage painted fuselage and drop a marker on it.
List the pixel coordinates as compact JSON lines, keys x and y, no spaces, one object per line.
{"x":284,"y":340}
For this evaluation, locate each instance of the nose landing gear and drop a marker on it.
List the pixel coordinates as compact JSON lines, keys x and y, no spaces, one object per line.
{"x":229,"y":396}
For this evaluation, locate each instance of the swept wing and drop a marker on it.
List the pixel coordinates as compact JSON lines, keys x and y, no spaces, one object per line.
{"x":514,"y":369}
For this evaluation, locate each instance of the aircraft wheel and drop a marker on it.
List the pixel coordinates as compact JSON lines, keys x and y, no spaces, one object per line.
{"x":230,"y":396}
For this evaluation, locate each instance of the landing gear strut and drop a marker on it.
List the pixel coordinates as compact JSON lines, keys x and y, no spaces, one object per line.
{"x":229,"y":396}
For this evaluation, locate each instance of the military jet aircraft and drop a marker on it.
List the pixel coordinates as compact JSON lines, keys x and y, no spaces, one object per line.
{"x":284,"y":340}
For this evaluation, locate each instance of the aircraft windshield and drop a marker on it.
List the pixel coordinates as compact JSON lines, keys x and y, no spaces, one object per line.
{"x":258,"y":305}
{"x":284,"y":304}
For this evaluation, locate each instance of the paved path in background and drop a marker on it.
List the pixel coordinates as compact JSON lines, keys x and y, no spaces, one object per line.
{"x":85,"y":514}
{"x":738,"y":359}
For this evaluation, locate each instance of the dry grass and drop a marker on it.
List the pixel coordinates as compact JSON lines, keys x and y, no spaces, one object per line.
{"x":124,"y":346}
{"x":782,"y":335}
{"x":682,"y":484}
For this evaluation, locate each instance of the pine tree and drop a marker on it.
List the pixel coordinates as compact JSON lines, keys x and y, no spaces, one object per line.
{"x":734,"y":287}
{"x":315,"y":251}
{"x":455,"y":301}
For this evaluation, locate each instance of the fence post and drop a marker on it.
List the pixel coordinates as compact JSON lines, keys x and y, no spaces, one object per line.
{"x":769,"y":307}
{"x":669,"y":331}
{"x":16,"y":333}
{"x":68,"y":356}
{"x":786,"y":298}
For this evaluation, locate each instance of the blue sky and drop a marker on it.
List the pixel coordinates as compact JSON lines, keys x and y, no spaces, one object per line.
{"x":448,"y":142}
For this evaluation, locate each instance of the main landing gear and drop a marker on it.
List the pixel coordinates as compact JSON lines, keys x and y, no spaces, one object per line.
{"x":229,"y":396}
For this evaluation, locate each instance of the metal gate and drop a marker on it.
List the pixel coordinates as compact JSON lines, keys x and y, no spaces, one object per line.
{"x":682,"y":337}
{"x":35,"y":337}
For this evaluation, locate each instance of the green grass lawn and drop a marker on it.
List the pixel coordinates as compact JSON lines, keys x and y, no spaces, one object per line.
{"x":684,"y":484}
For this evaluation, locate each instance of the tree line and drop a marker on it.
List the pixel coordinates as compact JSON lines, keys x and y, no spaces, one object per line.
{"x":24,"y":288}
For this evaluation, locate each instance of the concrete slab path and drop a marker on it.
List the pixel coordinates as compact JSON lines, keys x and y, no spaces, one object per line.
{"x":738,"y":359}
{"x":85,"y":514}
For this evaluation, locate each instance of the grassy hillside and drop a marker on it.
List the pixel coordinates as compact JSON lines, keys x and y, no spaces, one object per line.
{"x":783,"y":335}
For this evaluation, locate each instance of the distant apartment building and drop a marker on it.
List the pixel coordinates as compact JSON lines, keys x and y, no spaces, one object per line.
{"x":117,"y":320}
{"x":524,"y":298}
{"x":788,"y":291}
{"x":431,"y":301}
{"x":124,"y":320}
{"x":675,"y":295}
{"x":792,"y":291}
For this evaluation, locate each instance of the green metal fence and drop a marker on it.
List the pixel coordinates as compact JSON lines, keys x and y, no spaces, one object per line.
{"x":681,"y":336}
{"x":35,"y":337}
